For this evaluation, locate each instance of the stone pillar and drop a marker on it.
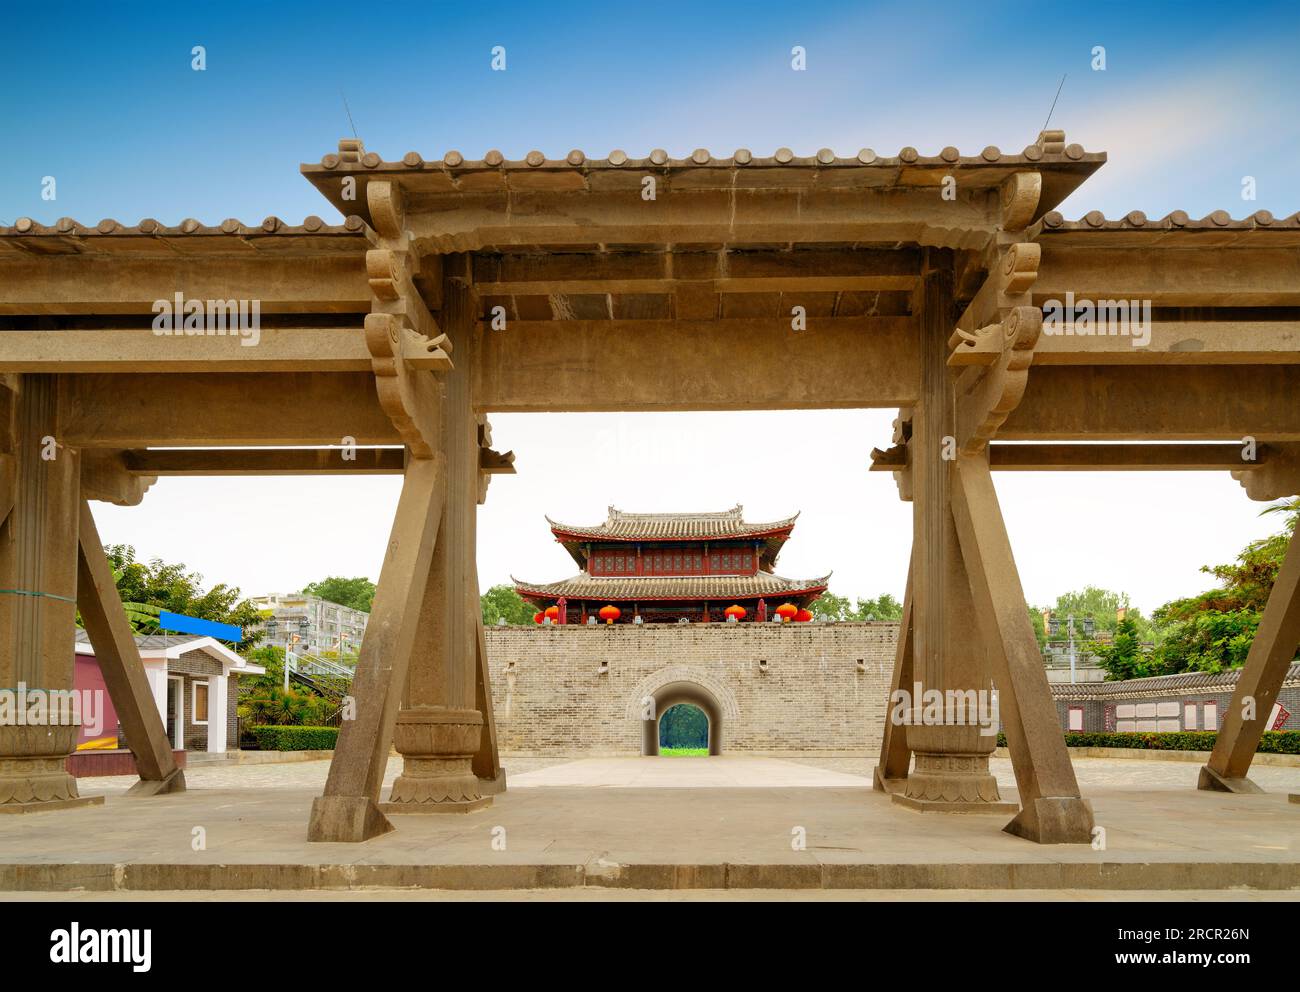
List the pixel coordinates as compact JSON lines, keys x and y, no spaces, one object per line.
{"x":38,"y":592}
{"x":952,"y":761}
{"x":439,"y":727}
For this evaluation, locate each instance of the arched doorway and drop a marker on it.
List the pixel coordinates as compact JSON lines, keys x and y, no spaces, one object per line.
{"x":671,"y":694}
{"x":684,"y":731}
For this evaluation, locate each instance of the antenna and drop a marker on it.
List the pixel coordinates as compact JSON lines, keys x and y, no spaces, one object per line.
{"x":348,"y":111}
{"x":1054,"y":99}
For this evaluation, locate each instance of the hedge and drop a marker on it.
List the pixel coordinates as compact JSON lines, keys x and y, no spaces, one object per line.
{"x":1272,"y":742}
{"x":276,"y":738}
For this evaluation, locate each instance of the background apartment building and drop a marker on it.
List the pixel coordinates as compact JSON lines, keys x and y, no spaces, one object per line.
{"x":322,"y":626}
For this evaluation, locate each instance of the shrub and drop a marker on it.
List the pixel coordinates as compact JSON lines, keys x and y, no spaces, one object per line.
{"x":1272,"y":742}
{"x":285,"y":738}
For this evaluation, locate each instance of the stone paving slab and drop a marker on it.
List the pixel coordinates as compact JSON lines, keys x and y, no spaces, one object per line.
{"x":723,"y":772}
{"x":1160,"y":837}
{"x":592,"y":894}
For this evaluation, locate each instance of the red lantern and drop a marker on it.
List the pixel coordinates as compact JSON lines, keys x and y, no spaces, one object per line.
{"x":610,"y":613}
{"x":787,"y":611}
{"x":803,"y":616}
{"x":736,"y":611}
{"x":553,"y":613}
{"x":537,"y":617}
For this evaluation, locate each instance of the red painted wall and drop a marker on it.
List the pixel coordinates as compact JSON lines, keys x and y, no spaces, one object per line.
{"x":86,"y":675}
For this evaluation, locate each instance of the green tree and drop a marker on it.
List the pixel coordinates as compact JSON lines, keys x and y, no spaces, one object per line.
{"x":1040,"y":628}
{"x":883,"y":607}
{"x":828,"y":606}
{"x":160,"y":586}
{"x":684,"y":725}
{"x":356,"y":594}
{"x":1102,"y":605}
{"x":832,"y":607}
{"x":1213,"y":631}
{"x":1123,"y":657}
{"x":502,"y":601}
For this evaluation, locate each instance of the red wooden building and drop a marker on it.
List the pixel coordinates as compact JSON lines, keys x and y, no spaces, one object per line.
{"x":667,"y":567}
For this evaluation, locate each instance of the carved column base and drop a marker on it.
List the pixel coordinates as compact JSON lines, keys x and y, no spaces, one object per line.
{"x":437,"y":746}
{"x":33,"y":770}
{"x":952,"y":774}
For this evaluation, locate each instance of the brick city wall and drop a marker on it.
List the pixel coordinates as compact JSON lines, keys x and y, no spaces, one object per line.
{"x":551,"y":698}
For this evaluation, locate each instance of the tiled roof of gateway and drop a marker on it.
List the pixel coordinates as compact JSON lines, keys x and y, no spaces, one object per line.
{"x":1049,"y":150}
{"x":1182,"y":682}
{"x":621,"y":526}
{"x":651,"y":587}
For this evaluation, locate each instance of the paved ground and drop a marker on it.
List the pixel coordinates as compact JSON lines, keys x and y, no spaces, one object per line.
{"x":288,"y":775}
{"x":724,"y":772}
{"x":666,"y":895}
{"x":1097,"y":772}
{"x":733,"y":822}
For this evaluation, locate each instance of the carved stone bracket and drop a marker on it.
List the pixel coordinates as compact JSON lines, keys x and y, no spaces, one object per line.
{"x":994,"y":340}
{"x":490,"y":462}
{"x":897,"y":456}
{"x":1277,"y":477}
{"x":403,"y":337}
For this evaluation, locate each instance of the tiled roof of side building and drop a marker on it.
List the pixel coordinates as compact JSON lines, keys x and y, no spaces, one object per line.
{"x":109,"y":236}
{"x":1157,"y":684}
{"x":623,"y":526}
{"x":661,"y":587}
{"x":150,"y":641}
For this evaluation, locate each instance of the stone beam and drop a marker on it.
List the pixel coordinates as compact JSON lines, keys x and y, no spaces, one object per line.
{"x":1124,"y":457}
{"x":697,"y":365}
{"x":474,"y":222}
{"x":717,"y":272}
{"x":1185,"y":403}
{"x":317,"y":283}
{"x":1196,"y":277}
{"x":274,"y":349}
{"x":314,"y":461}
{"x":1190,"y":342}
{"x":222,"y":409}
{"x":1104,"y":458}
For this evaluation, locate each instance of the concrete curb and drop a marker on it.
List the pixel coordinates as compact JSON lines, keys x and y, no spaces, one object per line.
{"x":1150,"y":754}
{"x":198,"y":759}
{"x":138,"y":877}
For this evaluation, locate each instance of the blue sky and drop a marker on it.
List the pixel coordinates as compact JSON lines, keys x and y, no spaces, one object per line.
{"x":1194,"y":97}
{"x":109,"y":105}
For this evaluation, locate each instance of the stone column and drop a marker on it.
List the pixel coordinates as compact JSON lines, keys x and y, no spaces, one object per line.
{"x":439,"y":727}
{"x":952,"y":761}
{"x":38,"y":593}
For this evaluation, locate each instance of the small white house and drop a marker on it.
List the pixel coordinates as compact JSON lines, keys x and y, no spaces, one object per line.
{"x":192,"y":679}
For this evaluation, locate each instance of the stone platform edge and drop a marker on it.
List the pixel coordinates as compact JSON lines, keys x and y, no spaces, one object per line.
{"x":145,"y":877}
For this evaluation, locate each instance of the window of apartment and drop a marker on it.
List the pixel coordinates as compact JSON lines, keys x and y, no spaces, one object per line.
{"x":199,"y":703}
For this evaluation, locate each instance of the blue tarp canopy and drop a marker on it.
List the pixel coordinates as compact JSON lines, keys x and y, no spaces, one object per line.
{"x":181,"y":624}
